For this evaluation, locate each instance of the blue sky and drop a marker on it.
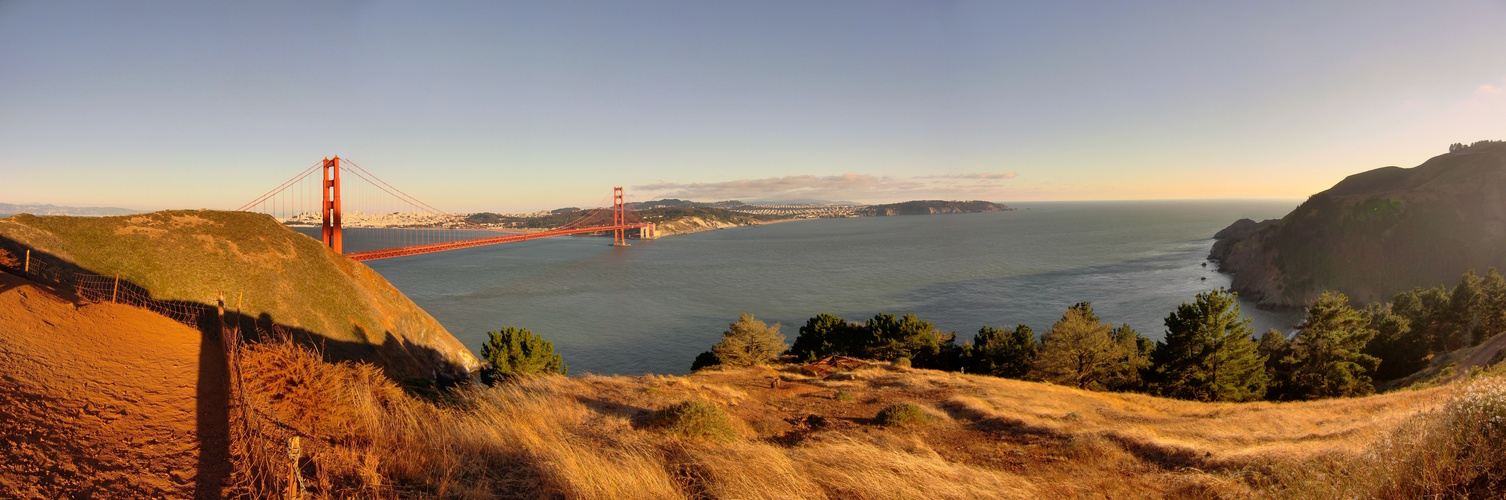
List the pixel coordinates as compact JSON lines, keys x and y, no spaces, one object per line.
{"x":521,"y":106}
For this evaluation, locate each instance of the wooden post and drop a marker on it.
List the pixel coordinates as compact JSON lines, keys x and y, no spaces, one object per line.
{"x":116,"y":291}
{"x":28,"y":261}
{"x":295,"y":487}
{"x":219,"y":307}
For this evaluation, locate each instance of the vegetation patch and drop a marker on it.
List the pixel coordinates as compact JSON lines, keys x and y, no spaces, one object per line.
{"x":517,"y":351}
{"x":695,"y":419}
{"x":902,"y":415}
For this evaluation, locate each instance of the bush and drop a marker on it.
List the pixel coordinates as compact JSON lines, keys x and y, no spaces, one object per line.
{"x":1459,"y":451}
{"x":902,"y":415}
{"x":8,"y":260}
{"x":695,"y":419}
{"x":842,"y":396}
{"x":902,"y":362}
{"x":517,"y":351}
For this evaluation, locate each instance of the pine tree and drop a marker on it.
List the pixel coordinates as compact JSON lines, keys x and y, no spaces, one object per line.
{"x":1464,"y":301}
{"x":1275,"y":348}
{"x":1003,"y":353}
{"x":1326,"y":355}
{"x":749,"y":342}
{"x":825,"y":335}
{"x":518,"y":351}
{"x":1209,"y":353}
{"x":1133,"y":359}
{"x":890,"y":338}
{"x":1078,"y":350}
{"x":1492,"y":304}
{"x":1400,"y":350}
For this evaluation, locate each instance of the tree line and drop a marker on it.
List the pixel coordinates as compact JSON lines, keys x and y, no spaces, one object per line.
{"x":1209,"y":351}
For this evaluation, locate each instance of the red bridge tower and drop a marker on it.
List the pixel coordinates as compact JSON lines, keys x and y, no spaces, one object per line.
{"x":332,"y":237}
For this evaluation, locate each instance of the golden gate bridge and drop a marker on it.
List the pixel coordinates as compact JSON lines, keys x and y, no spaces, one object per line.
{"x":411,"y":227}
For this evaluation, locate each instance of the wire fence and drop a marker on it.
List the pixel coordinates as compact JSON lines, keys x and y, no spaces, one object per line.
{"x":265,"y":452}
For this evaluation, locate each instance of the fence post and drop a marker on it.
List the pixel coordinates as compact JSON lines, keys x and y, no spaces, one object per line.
{"x":28,"y":261}
{"x":295,"y":487}
{"x":116,"y":290}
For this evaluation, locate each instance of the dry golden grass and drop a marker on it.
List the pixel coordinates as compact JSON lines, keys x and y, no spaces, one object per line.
{"x":593,"y":437}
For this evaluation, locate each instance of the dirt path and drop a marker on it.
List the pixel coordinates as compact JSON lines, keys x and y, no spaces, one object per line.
{"x":102,"y":400}
{"x":1484,"y":353}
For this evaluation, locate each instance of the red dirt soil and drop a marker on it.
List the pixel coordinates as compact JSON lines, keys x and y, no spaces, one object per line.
{"x":105,"y":400}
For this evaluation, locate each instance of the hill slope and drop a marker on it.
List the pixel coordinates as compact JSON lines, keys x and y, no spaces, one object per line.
{"x":1377,"y":233}
{"x":788,"y":435}
{"x":112,"y":401}
{"x":106,"y":400}
{"x":276,"y":275}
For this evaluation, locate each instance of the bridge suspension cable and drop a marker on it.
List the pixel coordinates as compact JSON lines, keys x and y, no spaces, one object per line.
{"x":392,"y":223}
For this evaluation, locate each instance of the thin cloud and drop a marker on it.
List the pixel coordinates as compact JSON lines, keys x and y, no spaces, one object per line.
{"x":784,"y":188}
{"x":978,"y":176}
{"x":849,"y":186}
{"x":1486,"y":96}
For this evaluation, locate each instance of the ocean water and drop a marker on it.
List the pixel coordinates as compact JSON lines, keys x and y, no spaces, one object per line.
{"x":651,"y":307}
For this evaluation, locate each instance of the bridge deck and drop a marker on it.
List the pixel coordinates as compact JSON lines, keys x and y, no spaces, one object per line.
{"x":455,"y":245}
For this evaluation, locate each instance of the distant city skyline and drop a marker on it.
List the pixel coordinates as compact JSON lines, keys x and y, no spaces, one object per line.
{"x":504,"y":107}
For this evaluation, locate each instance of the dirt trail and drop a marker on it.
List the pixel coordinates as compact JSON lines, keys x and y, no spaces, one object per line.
{"x":104,"y":400}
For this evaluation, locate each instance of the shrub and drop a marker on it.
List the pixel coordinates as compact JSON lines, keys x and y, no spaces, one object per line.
{"x":842,"y":396}
{"x":902,"y":415}
{"x":1457,"y":452}
{"x":695,"y":419}
{"x":902,"y":362}
{"x":517,"y":351}
{"x":8,"y":260}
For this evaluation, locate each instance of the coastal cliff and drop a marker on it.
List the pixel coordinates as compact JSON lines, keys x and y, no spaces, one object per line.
{"x":1377,"y":233}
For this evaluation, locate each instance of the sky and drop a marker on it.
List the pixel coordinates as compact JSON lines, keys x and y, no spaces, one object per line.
{"x":520,"y":106}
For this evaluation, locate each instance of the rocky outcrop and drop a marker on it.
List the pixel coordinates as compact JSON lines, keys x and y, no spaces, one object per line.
{"x":689,"y":225}
{"x":1377,"y":233}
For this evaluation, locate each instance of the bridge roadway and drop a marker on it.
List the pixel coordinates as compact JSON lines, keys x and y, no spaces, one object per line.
{"x":456,"y":245}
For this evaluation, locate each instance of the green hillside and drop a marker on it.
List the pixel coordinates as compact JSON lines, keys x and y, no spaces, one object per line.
{"x":277,"y":275}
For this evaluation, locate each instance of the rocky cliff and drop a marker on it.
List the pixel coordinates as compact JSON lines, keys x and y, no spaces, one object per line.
{"x":1377,"y":233}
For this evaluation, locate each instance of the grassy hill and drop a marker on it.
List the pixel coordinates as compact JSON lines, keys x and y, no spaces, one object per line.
{"x":277,"y":276}
{"x":1378,"y":232}
{"x":775,"y":432}
{"x":927,"y":207}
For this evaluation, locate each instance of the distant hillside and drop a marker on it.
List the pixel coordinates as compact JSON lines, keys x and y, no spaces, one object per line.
{"x":926,"y":207}
{"x":9,"y":209}
{"x":1378,"y":232}
{"x":278,"y":276}
{"x":682,"y":220}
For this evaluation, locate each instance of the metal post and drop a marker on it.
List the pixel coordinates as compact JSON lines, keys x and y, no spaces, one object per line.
{"x":115,"y":291}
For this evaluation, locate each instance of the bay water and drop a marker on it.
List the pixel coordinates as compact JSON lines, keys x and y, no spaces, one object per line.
{"x":651,"y":307}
